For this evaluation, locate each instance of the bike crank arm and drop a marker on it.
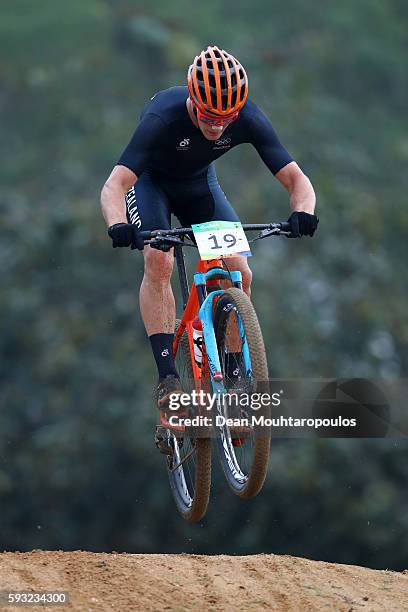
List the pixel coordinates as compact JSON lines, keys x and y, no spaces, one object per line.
{"x":176,"y":467}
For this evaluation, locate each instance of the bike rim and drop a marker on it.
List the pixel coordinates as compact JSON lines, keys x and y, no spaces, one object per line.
{"x":238,"y":458}
{"x":189,"y":465}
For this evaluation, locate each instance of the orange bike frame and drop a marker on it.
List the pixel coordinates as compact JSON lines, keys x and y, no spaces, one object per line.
{"x":189,"y":314}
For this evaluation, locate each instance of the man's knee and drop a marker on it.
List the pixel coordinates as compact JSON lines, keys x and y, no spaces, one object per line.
{"x":246,"y":277}
{"x":246,"y":273}
{"x":241,"y":264}
{"x":158,"y":265}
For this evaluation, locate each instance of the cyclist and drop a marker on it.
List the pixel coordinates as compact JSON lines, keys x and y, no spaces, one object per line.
{"x":168,"y":168}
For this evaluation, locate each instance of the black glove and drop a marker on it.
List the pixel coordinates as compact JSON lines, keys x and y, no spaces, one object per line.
{"x":124,"y":235}
{"x":302,"y":224}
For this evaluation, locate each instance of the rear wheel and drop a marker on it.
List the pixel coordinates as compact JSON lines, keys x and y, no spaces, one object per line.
{"x":189,"y":459}
{"x":244,"y":456}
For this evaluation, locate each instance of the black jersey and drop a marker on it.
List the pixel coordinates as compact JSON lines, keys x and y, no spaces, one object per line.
{"x":169,"y":145}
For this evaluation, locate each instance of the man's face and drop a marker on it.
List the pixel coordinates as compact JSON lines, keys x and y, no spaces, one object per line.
{"x":211,"y":132}
{"x":211,"y":127}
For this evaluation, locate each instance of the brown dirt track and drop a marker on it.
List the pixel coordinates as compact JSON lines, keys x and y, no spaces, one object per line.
{"x":123,"y":582}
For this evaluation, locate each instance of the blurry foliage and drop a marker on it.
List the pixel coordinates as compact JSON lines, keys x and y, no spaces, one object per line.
{"x":78,"y":466}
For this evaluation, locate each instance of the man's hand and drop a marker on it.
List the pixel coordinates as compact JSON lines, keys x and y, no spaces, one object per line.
{"x":124,"y":235}
{"x":302,"y":200}
{"x":302,"y":224}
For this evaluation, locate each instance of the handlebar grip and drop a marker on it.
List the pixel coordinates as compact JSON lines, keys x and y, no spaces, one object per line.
{"x":285,"y":226}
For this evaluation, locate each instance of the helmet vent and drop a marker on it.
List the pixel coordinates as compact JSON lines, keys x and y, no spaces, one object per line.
{"x":213,"y":98}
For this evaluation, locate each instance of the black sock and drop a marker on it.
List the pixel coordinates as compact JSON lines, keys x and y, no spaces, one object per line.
{"x":162,"y":347}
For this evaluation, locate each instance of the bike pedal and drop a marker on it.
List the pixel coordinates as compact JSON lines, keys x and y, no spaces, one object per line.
{"x":164,"y":447}
{"x":162,"y":441}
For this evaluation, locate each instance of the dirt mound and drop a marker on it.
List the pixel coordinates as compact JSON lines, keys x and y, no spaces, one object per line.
{"x":101,"y":581}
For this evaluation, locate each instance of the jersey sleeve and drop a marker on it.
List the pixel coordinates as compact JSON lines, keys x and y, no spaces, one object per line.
{"x":143,"y":144}
{"x":265,"y":140}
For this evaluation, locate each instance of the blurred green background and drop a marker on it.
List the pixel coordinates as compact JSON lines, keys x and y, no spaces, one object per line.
{"x":78,"y":466}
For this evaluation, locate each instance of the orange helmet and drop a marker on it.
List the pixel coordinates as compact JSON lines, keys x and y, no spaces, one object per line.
{"x":217,"y":82}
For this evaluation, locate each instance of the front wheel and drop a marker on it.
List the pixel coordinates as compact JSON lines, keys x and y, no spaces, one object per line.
{"x":244,"y":458}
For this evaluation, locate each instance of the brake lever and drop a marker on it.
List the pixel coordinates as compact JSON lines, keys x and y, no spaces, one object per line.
{"x":161,"y":243}
{"x":271,"y":232}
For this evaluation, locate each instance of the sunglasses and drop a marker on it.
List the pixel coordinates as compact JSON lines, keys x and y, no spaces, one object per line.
{"x":207,"y":119}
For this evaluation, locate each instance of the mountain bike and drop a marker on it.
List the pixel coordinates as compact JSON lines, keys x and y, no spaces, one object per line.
{"x":232,"y":362}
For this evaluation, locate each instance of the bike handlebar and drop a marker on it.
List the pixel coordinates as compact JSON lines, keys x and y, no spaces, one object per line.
{"x":173,"y":236}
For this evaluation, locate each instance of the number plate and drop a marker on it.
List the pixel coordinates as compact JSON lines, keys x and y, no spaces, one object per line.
{"x":220,"y":239}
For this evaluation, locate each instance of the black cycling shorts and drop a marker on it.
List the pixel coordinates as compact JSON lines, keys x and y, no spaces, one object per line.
{"x":151,"y":201}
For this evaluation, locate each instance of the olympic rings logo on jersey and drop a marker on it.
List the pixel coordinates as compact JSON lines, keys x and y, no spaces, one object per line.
{"x":223,"y":141}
